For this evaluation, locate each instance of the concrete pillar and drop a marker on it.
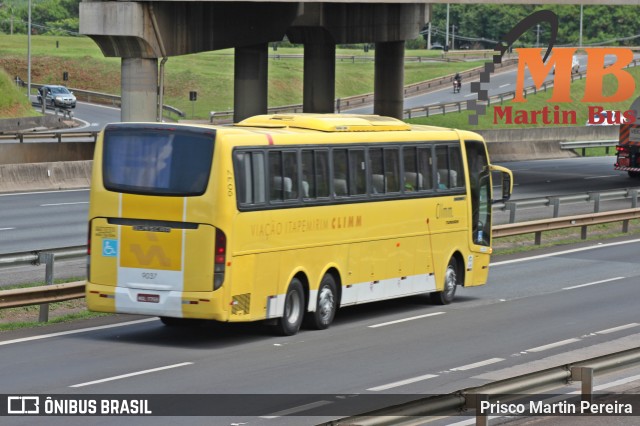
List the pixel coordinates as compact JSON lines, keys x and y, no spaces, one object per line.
{"x":319,"y":77}
{"x":250,"y":81}
{"x":139,"y":89}
{"x":389,"y":79}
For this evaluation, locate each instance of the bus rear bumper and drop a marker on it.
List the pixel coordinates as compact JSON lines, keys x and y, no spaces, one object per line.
{"x":201,"y":305}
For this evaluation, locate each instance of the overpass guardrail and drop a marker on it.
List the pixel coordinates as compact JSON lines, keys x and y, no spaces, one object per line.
{"x":21,"y":137}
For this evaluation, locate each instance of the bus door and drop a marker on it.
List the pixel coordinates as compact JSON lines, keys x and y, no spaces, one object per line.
{"x":480,"y":192}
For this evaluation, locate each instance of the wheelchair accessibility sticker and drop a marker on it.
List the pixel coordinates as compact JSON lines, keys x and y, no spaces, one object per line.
{"x":109,"y":248}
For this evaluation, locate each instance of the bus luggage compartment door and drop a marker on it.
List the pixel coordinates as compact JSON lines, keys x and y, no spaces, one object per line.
{"x":162,"y":258}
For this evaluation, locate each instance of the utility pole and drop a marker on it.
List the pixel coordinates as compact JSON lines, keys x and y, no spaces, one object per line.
{"x":580,"y":41}
{"x":453,"y":37}
{"x":538,"y":36}
{"x":446,"y":37}
{"x":429,"y":37}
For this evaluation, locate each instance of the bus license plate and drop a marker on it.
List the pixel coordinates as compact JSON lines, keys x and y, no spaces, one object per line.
{"x":148,"y":298}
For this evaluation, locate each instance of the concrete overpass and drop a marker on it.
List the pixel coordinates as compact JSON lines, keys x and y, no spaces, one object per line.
{"x":144,"y":33}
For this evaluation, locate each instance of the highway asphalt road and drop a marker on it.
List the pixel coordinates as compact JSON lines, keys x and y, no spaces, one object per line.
{"x":574,"y":303}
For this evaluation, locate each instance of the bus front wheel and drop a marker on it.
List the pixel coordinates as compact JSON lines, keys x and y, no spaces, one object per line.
{"x":293,"y":313}
{"x":447,"y":294}
{"x":326,"y":305}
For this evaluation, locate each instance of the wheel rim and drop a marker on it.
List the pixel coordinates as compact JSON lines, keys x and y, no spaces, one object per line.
{"x":326,"y":304}
{"x":293,"y":307}
{"x":450,"y":282}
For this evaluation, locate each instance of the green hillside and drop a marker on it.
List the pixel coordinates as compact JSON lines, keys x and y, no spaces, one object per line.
{"x":13,"y":102}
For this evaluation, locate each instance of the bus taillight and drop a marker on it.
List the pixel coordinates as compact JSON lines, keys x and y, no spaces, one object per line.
{"x":219,"y":259}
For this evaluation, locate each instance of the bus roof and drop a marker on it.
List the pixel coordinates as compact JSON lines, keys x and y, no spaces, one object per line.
{"x":327,"y":122}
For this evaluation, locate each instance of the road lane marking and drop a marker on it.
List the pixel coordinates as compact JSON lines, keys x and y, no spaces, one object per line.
{"x":83,"y":330}
{"x":43,"y":192}
{"x":297,"y":409}
{"x":600,"y":177}
{"x":477,"y":364}
{"x":614,"y":329}
{"x":6,"y":229}
{"x":552,"y":345}
{"x":402,"y":382}
{"x":64,"y":204}
{"x":405,"y":319}
{"x":135,"y":373}
{"x":505,"y":85}
{"x":560,"y":253}
{"x":594,"y":283}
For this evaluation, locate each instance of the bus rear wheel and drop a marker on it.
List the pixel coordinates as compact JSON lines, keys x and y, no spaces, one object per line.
{"x":293,"y":313}
{"x":326,"y":305}
{"x":448,"y":293}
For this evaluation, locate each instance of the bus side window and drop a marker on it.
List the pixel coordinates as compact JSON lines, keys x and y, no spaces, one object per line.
{"x":290,"y":164}
{"x":455,"y":167}
{"x":425,"y":167}
{"x":378,"y":185}
{"x":321,"y":161}
{"x":357,"y":172}
{"x":340,"y":164}
{"x":413,"y":180}
{"x":250,"y":173}
{"x":275,"y":176}
{"x":392,"y":169}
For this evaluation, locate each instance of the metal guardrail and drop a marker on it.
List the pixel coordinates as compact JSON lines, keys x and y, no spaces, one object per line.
{"x":630,"y":194}
{"x":470,"y":398}
{"x":589,"y":144}
{"x":58,"y":136}
{"x":41,"y":295}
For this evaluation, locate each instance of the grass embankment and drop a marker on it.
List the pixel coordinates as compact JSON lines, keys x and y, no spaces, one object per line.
{"x":208,"y":73}
{"x":13,"y":102}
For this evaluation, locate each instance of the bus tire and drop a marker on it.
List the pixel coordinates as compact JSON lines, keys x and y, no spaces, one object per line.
{"x":293,"y":313}
{"x":326,"y":306}
{"x":448,"y":293}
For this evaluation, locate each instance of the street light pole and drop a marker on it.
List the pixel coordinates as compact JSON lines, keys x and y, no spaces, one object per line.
{"x":446,"y":37}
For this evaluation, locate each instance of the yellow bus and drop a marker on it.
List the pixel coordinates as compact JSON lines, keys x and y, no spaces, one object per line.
{"x":285,"y":217}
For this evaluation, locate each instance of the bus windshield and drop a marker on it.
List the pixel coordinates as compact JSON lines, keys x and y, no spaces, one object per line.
{"x":157,"y":160}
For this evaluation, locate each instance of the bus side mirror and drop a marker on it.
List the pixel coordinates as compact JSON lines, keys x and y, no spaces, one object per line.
{"x":507,"y":182}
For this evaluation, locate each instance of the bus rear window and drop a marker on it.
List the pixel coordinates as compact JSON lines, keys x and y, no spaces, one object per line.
{"x":157,"y":161}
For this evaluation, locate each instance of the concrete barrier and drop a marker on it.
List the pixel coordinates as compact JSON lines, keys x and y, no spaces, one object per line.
{"x":541,"y":143}
{"x":47,"y":121}
{"x":42,"y":152}
{"x":45,"y":176}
